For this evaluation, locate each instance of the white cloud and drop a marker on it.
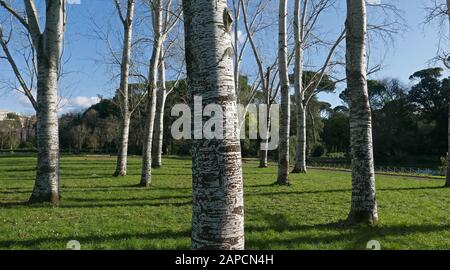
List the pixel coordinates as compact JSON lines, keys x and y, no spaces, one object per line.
{"x":374,"y":2}
{"x":74,"y":2}
{"x":241,"y":37}
{"x":78,"y":103}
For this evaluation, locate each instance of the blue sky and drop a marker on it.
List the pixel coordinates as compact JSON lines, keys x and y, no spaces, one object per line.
{"x":86,"y":77}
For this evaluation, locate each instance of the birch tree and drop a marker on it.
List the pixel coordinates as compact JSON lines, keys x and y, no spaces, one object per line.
{"x":363,"y":203}
{"x":171,"y":15}
{"x":266,"y":76}
{"x":159,"y":117}
{"x":283,"y":148}
{"x":157,"y":18}
{"x":47,"y":49}
{"x":447,"y":181}
{"x":441,"y":10}
{"x":304,"y":23}
{"x":218,"y":211}
{"x":123,"y":94}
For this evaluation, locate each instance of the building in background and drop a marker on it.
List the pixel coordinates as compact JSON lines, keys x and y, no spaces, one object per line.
{"x":3,"y":114}
{"x":16,"y":130}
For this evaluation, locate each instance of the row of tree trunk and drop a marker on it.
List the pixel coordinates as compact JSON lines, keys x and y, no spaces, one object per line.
{"x":218,"y":210}
{"x":156,"y":93}
{"x":217,"y":176}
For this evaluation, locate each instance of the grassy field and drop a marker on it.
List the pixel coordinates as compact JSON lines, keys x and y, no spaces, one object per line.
{"x":103,"y":212}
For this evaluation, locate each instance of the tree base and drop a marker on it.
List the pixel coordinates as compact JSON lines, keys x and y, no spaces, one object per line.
{"x":156,"y":166}
{"x":361,"y":218}
{"x":52,"y":198}
{"x":283,"y":183}
{"x":144,"y":184}
{"x":120,"y":173}
{"x":297,"y":171}
{"x":263,"y":166}
{"x":447,"y":184}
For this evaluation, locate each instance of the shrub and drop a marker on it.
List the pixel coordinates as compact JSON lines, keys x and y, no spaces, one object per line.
{"x":318,"y":150}
{"x":444,"y":164}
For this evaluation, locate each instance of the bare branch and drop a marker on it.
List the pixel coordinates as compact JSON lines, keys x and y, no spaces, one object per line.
{"x":21,"y":19}
{"x":26,"y":90}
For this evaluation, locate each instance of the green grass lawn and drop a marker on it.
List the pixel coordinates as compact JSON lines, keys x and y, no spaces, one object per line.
{"x":103,"y":212}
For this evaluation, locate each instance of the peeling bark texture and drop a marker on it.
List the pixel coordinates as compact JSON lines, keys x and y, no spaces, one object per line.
{"x":218,"y":205}
{"x":283,"y":149}
{"x":300,"y":151}
{"x":146,"y":175}
{"x":46,"y":188}
{"x":122,"y":156}
{"x":159,"y":118}
{"x":363,"y":205}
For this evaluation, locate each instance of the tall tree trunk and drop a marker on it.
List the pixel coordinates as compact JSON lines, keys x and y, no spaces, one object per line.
{"x":122,"y":156}
{"x":300,"y":151}
{"x":218,"y":205}
{"x":283,"y":149}
{"x":46,"y":188}
{"x":236,"y":63}
{"x":159,"y":119}
{"x":146,"y":175}
{"x":364,"y":205}
{"x":313,"y":126}
{"x":447,"y":182}
{"x":264,"y":151}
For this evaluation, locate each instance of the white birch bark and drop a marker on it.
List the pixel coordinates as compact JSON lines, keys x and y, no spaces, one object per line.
{"x":237,"y":60}
{"x":447,"y":178}
{"x":264,"y":152}
{"x":283,"y":148}
{"x":49,"y":49}
{"x":151,"y":96}
{"x":218,"y":210}
{"x":122,"y":156}
{"x":159,"y":118}
{"x":300,"y":157}
{"x":363,"y":204}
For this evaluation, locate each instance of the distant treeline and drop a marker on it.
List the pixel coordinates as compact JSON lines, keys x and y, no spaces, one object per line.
{"x":406,"y":122}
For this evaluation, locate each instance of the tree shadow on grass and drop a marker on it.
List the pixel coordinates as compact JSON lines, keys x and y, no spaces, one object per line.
{"x":329,"y":233}
{"x":112,"y":205}
{"x":15,"y":204}
{"x":95,"y":238}
{"x":411,"y":188}
{"x":283,"y":193}
{"x":261,"y":185}
{"x":135,"y":187}
{"x":21,"y":169}
{"x":163,"y":198}
{"x":15,"y":191}
{"x":173,"y":174}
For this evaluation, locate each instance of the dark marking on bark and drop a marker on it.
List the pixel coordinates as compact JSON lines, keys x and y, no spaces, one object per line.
{"x":229,"y":148}
{"x":227,"y":20}
{"x":238,"y":210}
